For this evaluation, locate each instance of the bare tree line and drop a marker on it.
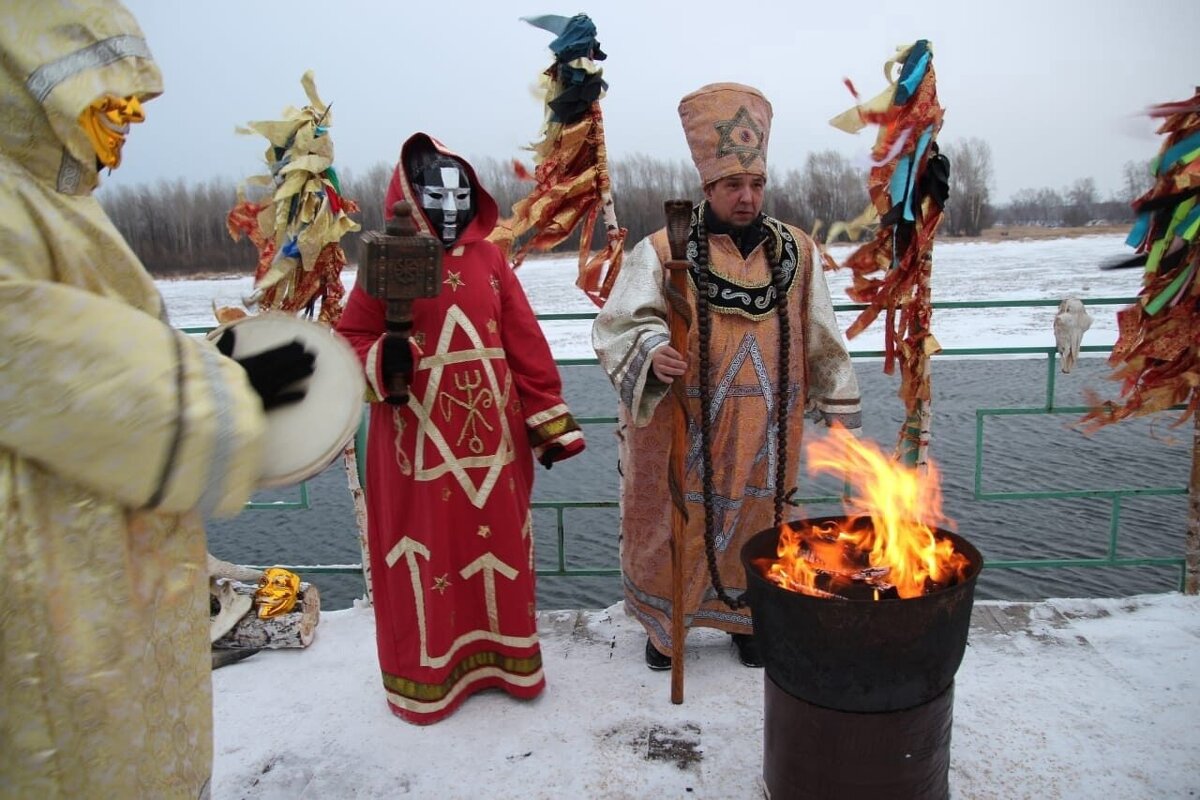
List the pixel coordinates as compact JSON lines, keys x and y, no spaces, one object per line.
{"x":178,"y":228}
{"x":1080,"y":203}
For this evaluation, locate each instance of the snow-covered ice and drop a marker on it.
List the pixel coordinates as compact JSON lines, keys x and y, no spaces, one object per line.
{"x":1049,"y":269}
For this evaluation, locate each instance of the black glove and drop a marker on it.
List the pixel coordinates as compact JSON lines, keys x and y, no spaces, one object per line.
{"x":550,"y":455}
{"x":274,"y":372}
{"x":397,"y":362}
{"x":397,"y":355}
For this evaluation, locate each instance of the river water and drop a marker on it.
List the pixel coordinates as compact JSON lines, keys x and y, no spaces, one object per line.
{"x":1027,"y":453}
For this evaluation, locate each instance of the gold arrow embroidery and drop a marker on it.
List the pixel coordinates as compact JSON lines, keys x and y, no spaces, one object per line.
{"x":489,"y":565}
{"x":408,"y":549}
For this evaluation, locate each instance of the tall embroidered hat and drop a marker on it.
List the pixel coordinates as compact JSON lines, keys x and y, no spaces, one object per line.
{"x":727,"y":126}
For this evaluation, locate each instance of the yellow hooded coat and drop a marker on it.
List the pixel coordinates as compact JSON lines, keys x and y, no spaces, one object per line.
{"x":117,"y":433}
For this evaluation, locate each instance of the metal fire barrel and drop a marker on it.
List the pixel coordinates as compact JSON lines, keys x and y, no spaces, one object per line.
{"x":859,"y":696}
{"x":815,"y":753}
{"x":859,"y":655}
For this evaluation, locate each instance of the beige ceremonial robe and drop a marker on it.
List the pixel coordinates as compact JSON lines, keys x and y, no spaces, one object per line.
{"x":743,"y":383}
{"x":118,"y":433}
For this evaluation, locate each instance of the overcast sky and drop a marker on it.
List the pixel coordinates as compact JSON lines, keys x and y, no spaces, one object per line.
{"x":1056,"y":87}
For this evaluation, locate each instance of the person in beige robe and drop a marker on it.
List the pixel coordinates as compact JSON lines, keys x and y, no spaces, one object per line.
{"x":118,"y":434}
{"x":750,"y":265}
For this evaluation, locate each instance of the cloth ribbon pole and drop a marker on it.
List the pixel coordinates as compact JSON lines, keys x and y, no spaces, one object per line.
{"x":907,"y":185}
{"x":297,"y":232}
{"x":1157,"y":354}
{"x":571,"y":181}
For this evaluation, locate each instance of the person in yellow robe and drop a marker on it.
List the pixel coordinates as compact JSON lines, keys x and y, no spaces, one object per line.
{"x":764,"y":350}
{"x":118,"y":434}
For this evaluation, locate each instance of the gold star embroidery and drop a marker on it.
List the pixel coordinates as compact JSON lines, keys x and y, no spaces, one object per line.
{"x":741,"y":137}
{"x":446,"y":494}
{"x":454,"y":280}
{"x":492,"y":326}
{"x":495,"y":284}
{"x":441,"y":583}
{"x":477,"y":474}
{"x":484,"y":531}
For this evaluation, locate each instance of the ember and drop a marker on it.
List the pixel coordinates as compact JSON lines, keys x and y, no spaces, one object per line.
{"x":887,"y":546}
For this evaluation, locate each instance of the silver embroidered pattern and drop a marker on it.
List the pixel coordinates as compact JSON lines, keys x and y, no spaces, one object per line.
{"x":43,"y":79}
{"x":70,"y":173}
{"x":633,"y":373}
{"x":222,"y":454}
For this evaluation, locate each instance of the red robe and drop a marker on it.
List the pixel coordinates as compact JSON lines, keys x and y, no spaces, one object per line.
{"x":449,"y":475}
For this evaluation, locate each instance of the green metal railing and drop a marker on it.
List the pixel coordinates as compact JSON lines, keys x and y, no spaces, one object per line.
{"x":1111,"y":557}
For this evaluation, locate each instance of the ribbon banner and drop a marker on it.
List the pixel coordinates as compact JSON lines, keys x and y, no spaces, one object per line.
{"x":908,"y":184}
{"x":298,"y":231}
{"x":571,"y":183}
{"x":1157,"y":354}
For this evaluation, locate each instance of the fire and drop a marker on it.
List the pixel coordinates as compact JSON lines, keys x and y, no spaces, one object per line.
{"x":886,"y":545}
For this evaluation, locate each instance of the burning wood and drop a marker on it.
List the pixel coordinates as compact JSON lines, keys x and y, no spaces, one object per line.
{"x":886,"y":547}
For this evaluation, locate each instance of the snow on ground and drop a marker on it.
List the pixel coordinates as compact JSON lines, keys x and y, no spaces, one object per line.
{"x":1061,"y":700}
{"x":1047,"y":269}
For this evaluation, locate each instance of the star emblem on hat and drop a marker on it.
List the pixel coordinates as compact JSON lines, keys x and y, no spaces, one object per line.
{"x":740,"y":137}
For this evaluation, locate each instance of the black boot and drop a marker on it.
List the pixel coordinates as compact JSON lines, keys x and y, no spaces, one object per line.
{"x":654,"y":659}
{"x":748,"y":651}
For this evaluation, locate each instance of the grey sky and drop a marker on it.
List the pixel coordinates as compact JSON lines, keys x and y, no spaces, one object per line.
{"x":1056,"y":87}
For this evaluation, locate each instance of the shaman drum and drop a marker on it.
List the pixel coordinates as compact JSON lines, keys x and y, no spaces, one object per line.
{"x":304,"y":437}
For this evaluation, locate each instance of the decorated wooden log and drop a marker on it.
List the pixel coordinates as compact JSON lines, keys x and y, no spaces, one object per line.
{"x":295,"y":628}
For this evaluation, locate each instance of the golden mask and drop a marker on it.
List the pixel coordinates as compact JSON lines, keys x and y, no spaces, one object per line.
{"x":277,"y":592}
{"x":106,"y":123}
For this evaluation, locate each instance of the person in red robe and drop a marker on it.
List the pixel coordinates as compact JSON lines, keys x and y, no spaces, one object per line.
{"x":450,"y":464}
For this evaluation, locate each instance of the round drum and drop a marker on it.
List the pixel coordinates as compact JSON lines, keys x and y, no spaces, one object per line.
{"x":304,"y":437}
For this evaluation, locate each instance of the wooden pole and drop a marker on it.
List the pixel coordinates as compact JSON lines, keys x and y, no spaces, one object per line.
{"x":1191,"y":550}
{"x":679,"y":318}
{"x":359,"y":496}
{"x":920,"y":417}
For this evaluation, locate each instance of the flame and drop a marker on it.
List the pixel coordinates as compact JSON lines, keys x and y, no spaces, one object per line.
{"x":888,"y":539}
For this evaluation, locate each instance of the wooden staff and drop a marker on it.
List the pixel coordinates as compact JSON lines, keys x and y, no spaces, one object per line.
{"x":679,"y":319}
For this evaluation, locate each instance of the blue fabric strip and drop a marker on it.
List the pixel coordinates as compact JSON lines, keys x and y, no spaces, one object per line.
{"x":1178,"y":151}
{"x":1138,"y":233}
{"x":918,"y":153}
{"x":913,"y":71}
{"x":1182,"y":229}
{"x":899,"y":179}
{"x":908,"y":85}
